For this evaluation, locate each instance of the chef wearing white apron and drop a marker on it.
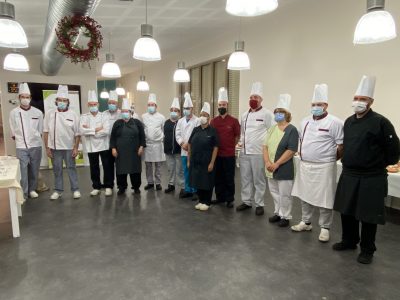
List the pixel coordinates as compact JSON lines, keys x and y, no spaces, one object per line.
{"x":95,"y":131}
{"x":61,"y":138}
{"x":183,"y":131}
{"x":254,"y":125}
{"x":153,"y":123}
{"x":26,"y":125}
{"x":321,"y":144}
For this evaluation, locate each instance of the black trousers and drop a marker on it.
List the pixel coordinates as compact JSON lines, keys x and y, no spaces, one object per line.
{"x":108,"y":169}
{"x":136,"y":181}
{"x":351,"y":233}
{"x":225,"y":179}
{"x":205,"y":196}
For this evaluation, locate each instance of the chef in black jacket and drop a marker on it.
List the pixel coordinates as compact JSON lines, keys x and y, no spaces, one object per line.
{"x":370,"y":144}
{"x":203,"y":149}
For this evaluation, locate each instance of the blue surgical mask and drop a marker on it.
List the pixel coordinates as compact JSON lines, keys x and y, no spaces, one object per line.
{"x":173,"y":115}
{"x":151,"y":109}
{"x":317,"y":111}
{"x":93,"y":109}
{"x":279,"y":117}
{"x":125,"y":115}
{"x":186,"y":112}
{"x":61,"y":105}
{"x":112,"y":107}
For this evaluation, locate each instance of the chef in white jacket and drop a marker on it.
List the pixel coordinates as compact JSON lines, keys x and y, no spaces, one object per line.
{"x":95,"y":131}
{"x":254,"y":125}
{"x":183,"y":131}
{"x":61,"y":137}
{"x":26,"y":124}
{"x":153,"y":123}
{"x":321,"y":144}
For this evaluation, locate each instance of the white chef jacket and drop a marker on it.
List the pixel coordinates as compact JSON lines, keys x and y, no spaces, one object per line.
{"x":319,"y":139}
{"x":63,"y":127}
{"x":184,"y":129}
{"x":111,"y":117}
{"x":95,"y":141}
{"x":254,"y":126}
{"x":154,"y":132}
{"x":26,"y":127}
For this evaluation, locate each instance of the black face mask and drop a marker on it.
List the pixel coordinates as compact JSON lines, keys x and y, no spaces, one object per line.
{"x":222,"y":110}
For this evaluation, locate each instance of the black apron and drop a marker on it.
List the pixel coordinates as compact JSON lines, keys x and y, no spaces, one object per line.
{"x":127,"y":143}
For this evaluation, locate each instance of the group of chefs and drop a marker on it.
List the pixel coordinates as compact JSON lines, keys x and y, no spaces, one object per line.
{"x":200,"y":155}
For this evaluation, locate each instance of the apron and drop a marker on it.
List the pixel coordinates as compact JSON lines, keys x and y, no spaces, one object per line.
{"x":315,"y":183}
{"x":128,"y":161}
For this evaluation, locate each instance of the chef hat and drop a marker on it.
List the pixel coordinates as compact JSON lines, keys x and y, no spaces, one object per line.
{"x":222,"y":95}
{"x":366,"y":87}
{"x":113,"y":96}
{"x":320,"y":93}
{"x":257,"y":89}
{"x":152,"y":98}
{"x":92,"y":97}
{"x":206,"y":108}
{"x":62,"y":91}
{"x":125,"y":104}
{"x":175,"y":103}
{"x":188,"y":101}
{"x":284,"y":101}
{"x":23,"y":88}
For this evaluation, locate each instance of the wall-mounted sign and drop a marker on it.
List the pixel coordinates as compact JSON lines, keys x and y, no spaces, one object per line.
{"x":12,"y":87}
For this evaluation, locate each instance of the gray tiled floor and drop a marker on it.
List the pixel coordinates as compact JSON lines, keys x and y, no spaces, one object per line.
{"x":155,"y":246}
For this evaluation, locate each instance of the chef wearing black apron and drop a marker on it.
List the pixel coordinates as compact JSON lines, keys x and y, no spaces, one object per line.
{"x":370,"y":144}
{"x":203,"y":148}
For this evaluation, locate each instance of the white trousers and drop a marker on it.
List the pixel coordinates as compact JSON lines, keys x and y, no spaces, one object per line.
{"x":252,"y":175}
{"x":325,"y":214}
{"x":281,"y":191}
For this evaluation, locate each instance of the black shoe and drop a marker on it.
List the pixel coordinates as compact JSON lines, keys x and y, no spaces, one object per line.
{"x":242,"y":207}
{"x":274,"y":219}
{"x":195,"y":197}
{"x":365,"y":258}
{"x":158,"y":187}
{"x":185,"y":195}
{"x":229,"y":204}
{"x":341,"y":246}
{"x":149,"y":187}
{"x":170,"y":189}
{"x":259,"y":211}
{"x":283,"y":223}
{"x":216,"y":201}
{"x":121,"y":192}
{"x":137,"y":191}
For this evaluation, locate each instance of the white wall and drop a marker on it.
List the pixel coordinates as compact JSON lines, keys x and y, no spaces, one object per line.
{"x":69,"y":74}
{"x":303,"y":43}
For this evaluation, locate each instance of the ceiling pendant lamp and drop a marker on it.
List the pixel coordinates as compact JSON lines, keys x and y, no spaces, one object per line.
{"x":104,"y":93}
{"x":181,"y":74}
{"x":146,"y":48}
{"x":142,"y":84}
{"x":239,"y":60}
{"x":110,"y":69}
{"x":120,"y":90}
{"x":250,"y":8}
{"x":376,"y":26}
{"x":12,"y":35}
{"x":15,"y":62}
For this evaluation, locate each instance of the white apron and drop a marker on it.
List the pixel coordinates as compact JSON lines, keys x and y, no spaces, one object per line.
{"x":315,"y":183}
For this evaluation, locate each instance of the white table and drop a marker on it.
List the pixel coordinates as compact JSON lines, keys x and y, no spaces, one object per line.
{"x":9,"y":178}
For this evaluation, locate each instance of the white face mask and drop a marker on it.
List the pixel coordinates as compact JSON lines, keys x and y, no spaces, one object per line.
{"x":25,"y":102}
{"x":359,"y":106}
{"x":203,"y":120}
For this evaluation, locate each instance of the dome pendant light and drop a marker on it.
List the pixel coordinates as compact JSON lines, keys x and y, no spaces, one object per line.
{"x":142,"y":84}
{"x":104,"y":93}
{"x":15,"y":62}
{"x":376,"y":26}
{"x":146,"y":48}
{"x":12,"y":35}
{"x":120,"y":90}
{"x":110,"y":69}
{"x":239,"y":60}
{"x":181,"y":74}
{"x":250,"y":8}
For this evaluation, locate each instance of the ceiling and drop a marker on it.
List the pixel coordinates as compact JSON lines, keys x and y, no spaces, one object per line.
{"x":176,"y":23}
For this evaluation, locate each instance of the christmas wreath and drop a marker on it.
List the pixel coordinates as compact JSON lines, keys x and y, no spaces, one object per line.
{"x":68,"y":30}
